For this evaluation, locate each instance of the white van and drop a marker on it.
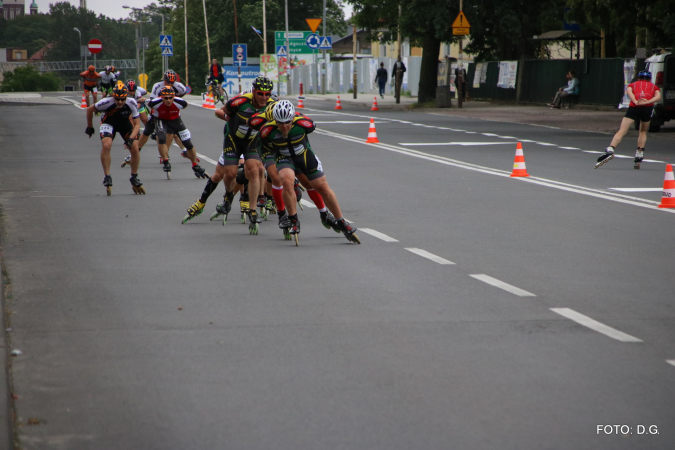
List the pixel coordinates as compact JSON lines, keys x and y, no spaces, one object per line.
{"x":662,"y":67}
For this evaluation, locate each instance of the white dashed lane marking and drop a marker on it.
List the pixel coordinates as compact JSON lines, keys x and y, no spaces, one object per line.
{"x":430,"y":256}
{"x":671,"y":362}
{"x":636,"y":189}
{"x":378,"y":235}
{"x":501,"y":285}
{"x":595,"y":325}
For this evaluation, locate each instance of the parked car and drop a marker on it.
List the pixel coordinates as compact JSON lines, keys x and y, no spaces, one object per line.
{"x":662,"y":67}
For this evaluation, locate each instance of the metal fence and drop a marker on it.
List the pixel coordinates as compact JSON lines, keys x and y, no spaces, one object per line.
{"x":600,"y":81}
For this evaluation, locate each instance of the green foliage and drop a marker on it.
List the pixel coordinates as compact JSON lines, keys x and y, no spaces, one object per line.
{"x":29,"y":32}
{"x":27,"y":79}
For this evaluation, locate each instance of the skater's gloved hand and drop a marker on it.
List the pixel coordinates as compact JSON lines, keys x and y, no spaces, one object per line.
{"x":90,"y":131}
{"x":129,"y":142}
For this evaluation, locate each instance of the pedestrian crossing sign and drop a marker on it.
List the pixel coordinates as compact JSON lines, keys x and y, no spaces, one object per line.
{"x":326,"y":43}
{"x":165,"y":40}
{"x":167,"y":51}
{"x":281,"y":50}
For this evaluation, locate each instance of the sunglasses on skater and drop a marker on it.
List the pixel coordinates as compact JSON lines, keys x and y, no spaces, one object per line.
{"x":167,"y":98}
{"x":263,"y":94}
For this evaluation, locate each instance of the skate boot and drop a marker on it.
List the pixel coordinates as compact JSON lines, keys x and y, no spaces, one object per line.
{"x":224,"y":208}
{"x":253,"y":221}
{"x":167,"y":168}
{"x":270,"y":207}
{"x":199,"y":172}
{"x":243,"y":206}
{"x":297,"y":187}
{"x":295,"y":227}
{"x":136,"y":184}
{"x":328,"y":221}
{"x":261,"y":206}
{"x":107,"y":182}
{"x":194,"y":210}
{"x":639,"y":156}
{"x":608,"y":156}
{"x":127,"y":161}
{"x":285,"y":224}
{"x":185,"y":155}
{"x":349,"y":231}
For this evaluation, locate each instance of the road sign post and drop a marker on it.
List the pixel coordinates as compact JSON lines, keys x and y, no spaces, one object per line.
{"x":460,"y":27}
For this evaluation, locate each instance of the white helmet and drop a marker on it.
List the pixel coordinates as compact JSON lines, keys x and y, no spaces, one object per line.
{"x":283,"y":111}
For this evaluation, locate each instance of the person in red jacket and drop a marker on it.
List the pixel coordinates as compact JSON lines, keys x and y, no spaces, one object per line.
{"x":643,"y":94}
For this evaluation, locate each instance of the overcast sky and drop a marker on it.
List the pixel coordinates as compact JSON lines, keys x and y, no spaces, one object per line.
{"x":113,"y":8}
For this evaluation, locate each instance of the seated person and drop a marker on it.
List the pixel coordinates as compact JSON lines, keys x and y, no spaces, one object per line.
{"x":572,"y":88}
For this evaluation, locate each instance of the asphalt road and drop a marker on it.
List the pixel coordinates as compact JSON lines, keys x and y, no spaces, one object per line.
{"x":480,"y":312}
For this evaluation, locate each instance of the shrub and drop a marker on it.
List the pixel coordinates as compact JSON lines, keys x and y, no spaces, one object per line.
{"x":27,"y":79}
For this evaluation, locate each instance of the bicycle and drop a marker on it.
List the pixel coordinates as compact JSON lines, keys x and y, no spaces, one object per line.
{"x":213,"y":88}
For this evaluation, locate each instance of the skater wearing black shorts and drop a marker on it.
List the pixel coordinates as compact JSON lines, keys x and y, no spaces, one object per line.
{"x":120,"y":115}
{"x":238,"y":136}
{"x":287,"y":135}
{"x":643,"y":94}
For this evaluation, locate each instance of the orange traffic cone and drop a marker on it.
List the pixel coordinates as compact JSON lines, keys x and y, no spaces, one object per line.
{"x":519,"y":169}
{"x":374,"y":108}
{"x":668,"y":197}
{"x":338,"y":105}
{"x":208,"y":102}
{"x":300,"y":104}
{"x":372,"y":134}
{"x":83,"y":105}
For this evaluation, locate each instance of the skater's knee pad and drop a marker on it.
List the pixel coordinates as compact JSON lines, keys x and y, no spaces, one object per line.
{"x":161,"y":137}
{"x":188,"y":144}
{"x":241,"y":176}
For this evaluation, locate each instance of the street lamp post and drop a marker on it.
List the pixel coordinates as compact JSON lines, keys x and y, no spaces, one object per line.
{"x":164,"y":61}
{"x":80,"y":33}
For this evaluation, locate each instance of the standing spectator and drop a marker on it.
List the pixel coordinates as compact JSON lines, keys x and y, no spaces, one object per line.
{"x":395,"y":75}
{"x":463,"y":72}
{"x":381,"y":78}
{"x":216,"y":72}
{"x":572,"y":88}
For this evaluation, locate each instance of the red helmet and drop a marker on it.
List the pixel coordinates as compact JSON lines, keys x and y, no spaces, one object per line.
{"x":131,"y":85}
{"x":91,"y":68}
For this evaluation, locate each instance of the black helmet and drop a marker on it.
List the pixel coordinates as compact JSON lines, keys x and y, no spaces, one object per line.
{"x":167,"y":92}
{"x":263,"y":84}
{"x":120,"y":92}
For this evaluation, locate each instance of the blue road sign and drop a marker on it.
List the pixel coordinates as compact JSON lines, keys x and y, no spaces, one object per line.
{"x":281,"y":50}
{"x":313,"y":41}
{"x":165,"y":40}
{"x":326,"y":43}
{"x":239,"y":56}
{"x":167,"y":51}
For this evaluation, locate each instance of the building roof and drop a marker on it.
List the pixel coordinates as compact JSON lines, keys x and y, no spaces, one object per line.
{"x":567,"y":35}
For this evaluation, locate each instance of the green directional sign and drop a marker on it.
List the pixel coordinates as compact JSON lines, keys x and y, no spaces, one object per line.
{"x":297,"y":41}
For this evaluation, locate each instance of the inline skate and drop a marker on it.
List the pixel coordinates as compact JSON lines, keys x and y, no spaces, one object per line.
{"x":136,"y":184}
{"x":193,"y":211}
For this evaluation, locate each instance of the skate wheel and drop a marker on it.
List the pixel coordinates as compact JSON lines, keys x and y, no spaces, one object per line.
{"x":243,"y":218}
{"x":185,"y":219}
{"x":287,"y":234}
{"x":168,"y":175}
{"x":355,"y":238}
{"x":108,"y":190}
{"x":296,"y":239}
{"x":139,"y":190}
{"x":300,"y":205}
{"x":636,"y":166}
{"x":253,"y":228}
{"x":214,"y":216}
{"x":224,"y":219}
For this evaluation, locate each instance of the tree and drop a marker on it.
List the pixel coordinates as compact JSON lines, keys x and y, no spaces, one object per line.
{"x":426,"y":23}
{"x":27,"y":79}
{"x":29,"y":32}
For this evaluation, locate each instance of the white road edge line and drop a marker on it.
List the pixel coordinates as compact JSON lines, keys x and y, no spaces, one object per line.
{"x":595,"y":325}
{"x":307,"y":204}
{"x":671,"y":362}
{"x":501,"y":285}
{"x":378,"y":235}
{"x":635,"y":201}
{"x":431,"y":256}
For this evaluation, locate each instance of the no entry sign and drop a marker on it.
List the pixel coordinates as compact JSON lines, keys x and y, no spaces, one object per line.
{"x":95,"y":46}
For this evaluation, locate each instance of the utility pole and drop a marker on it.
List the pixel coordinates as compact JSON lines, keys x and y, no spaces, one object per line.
{"x":206,"y":27}
{"x":324,"y":75}
{"x":289,"y":86}
{"x":236,"y":37}
{"x":460,"y":72}
{"x":186,"y":43}
{"x":354,"y":53}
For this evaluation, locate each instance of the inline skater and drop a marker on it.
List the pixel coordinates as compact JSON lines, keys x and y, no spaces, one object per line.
{"x":168,"y":123}
{"x":643,"y":94}
{"x":238,"y":136}
{"x":287,"y":135}
{"x":91,"y":78}
{"x":108,"y":80}
{"x":137,"y":93}
{"x":276,"y":200}
{"x":120,"y":115}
